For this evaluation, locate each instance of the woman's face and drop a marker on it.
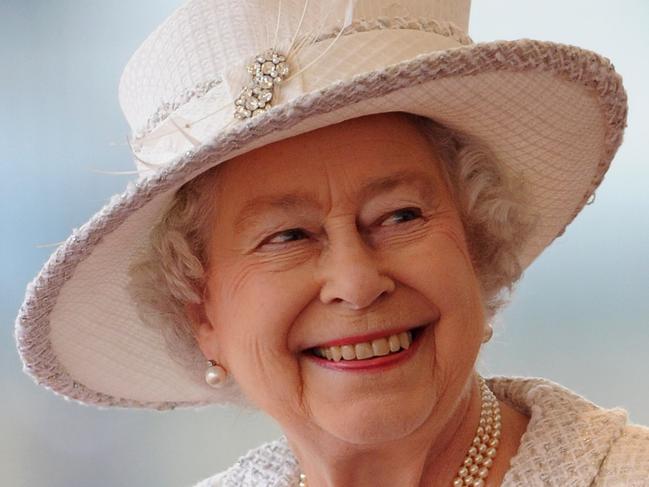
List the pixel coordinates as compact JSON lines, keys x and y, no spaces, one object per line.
{"x":342,"y":232}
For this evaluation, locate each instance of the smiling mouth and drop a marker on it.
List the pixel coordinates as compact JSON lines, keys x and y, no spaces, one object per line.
{"x":379,"y":347}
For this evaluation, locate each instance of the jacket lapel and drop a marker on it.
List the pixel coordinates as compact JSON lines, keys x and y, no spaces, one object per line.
{"x":567,"y":438}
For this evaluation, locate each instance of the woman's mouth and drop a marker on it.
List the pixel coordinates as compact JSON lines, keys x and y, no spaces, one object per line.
{"x":370,"y":354}
{"x":364,"y":350}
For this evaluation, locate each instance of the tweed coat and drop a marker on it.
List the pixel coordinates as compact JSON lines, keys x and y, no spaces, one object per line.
{"x":569,"y":442}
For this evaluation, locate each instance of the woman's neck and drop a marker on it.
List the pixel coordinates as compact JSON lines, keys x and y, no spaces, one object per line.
{"x":430,"y":456}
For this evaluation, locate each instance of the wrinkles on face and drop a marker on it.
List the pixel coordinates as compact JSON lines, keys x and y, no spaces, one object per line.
{"x":267,"y":287}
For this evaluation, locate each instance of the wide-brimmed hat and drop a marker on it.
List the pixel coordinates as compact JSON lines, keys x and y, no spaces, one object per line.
{"x":222,"y":77}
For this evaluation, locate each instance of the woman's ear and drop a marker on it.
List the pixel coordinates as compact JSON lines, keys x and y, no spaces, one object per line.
{"x":197,"y":314}
{"x":197,"y":317}
{"x":203,"y":330}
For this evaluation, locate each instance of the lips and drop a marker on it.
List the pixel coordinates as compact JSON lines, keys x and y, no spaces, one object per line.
{"x":378,"y":347}
{"x":369,"y":345}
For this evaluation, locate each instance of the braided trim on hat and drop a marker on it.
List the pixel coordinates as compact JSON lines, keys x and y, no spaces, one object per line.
{"x":443,"y":28}
{"x":167,"y":108}
{"x":570,"y":63}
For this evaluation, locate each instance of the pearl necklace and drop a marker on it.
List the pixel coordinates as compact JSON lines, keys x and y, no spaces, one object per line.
{"x":480,"y":458}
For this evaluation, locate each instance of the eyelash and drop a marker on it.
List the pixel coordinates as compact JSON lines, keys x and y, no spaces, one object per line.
{"x":413,"y":210}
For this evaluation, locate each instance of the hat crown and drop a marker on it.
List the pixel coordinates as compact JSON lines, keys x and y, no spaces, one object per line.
{"x":202,"y":38}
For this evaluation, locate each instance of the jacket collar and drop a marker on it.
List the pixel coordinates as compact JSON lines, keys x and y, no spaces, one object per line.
{"x":566,"y":440}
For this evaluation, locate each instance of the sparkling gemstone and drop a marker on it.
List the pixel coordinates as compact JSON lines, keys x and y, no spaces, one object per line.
{"x":267,"y":70}
{"x":242,"y":113}
{"x":252,"y":103}
{"x":264,"y":81}
{"x":268,"y":67}
{"x":265,"y":96}
{"x":282,"y":69}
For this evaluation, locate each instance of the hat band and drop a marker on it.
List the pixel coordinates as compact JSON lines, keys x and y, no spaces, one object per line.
{"x":364,"y":46}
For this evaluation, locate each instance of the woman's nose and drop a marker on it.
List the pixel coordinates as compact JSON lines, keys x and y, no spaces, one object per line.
{"x":351,"y":273}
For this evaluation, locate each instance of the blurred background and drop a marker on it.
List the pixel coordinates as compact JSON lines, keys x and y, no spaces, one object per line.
{"x":580,"y":316}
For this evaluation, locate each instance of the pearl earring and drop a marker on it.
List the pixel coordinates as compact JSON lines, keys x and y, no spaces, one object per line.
{"x":215,"y":375}
{"x":489,"y":331}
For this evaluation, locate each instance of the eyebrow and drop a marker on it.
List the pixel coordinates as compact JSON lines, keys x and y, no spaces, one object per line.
{"x":300,"y":200}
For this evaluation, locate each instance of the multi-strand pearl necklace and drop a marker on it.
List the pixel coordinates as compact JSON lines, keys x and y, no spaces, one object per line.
{"x":480,"y":458}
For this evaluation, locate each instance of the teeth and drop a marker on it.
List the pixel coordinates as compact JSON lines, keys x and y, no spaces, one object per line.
{"x":363,"y":350}
{"x":405,"y":338}
{"x":380,"y":347}
{"x":348,"y":352}
{"x":360,"y":351}
{"x":336,"y":354}
{"x":395,"y":343}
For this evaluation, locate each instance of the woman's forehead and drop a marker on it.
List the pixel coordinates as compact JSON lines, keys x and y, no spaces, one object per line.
{"x":361,"y":156}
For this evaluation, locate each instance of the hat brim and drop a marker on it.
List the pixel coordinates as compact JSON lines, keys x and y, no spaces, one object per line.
{"x":553,"y":114}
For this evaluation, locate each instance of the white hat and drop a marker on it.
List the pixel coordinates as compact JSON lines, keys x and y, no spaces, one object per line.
{"x":221,"y":77}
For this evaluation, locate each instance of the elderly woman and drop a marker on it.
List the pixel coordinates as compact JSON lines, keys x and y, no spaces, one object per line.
{"x":326,"y":235}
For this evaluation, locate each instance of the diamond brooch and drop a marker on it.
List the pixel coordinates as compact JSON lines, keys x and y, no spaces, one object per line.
{"x":267,"y":71}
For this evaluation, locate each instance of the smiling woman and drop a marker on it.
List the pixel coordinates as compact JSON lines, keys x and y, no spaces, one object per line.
{"x":349,"y":275}
{"x":335,"y":198}
{"x":173,"y":270}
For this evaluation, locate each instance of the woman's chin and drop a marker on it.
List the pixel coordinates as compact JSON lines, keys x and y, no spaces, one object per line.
{"x":374,"y":421}
{"x":382,"y":403}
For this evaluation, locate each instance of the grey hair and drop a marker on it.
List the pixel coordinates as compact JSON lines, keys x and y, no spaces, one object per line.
{"x":496,"y":220}
{"x":171,"y":272}
{"x":493,"y":206}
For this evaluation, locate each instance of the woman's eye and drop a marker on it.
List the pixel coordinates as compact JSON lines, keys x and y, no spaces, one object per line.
{"x":402,"y":215}
{"x":285,"y":236}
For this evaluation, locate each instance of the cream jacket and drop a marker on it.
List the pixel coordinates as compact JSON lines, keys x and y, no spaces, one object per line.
{"x":569,"y":442}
